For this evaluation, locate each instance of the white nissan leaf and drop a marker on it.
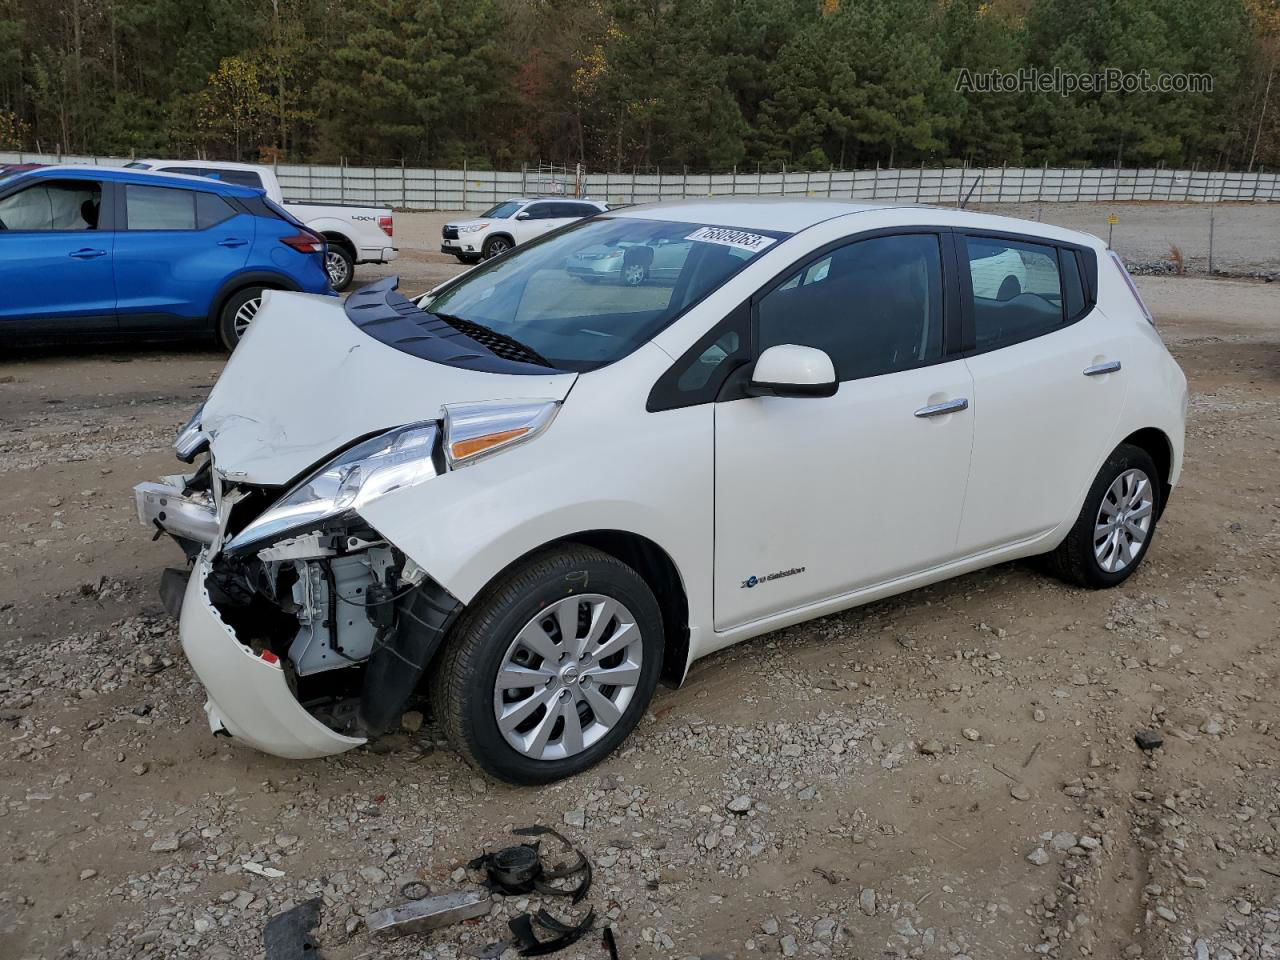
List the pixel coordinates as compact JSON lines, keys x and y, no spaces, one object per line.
{"x":528,"y":499}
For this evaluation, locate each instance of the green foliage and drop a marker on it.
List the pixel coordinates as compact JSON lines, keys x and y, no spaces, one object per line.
{"x":696,"y":84}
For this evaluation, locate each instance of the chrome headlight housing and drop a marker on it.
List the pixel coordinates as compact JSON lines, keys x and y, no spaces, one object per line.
{"x":191,"y":439}
{"x":398,"y":458}
{"x":471,"y":227}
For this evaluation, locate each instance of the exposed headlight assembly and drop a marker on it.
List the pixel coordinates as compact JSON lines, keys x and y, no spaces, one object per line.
{"x":397,"y":458}
{"x":471,"y":227}
{"x":191,"y":438}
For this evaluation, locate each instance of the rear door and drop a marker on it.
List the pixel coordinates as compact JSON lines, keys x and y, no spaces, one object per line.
{"x":177,"y":247}
{"x":56,"y":247}
{"x":1048,"y":384}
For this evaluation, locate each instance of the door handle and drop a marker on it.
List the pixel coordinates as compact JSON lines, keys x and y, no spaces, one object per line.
{"x":1098,"y":369}
{"x":232,"y":242}
{"x":942,"y":409}
{"x":87,"y":253}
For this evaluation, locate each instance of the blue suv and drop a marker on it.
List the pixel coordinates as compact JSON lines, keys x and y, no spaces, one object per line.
{"x":95,"y":252}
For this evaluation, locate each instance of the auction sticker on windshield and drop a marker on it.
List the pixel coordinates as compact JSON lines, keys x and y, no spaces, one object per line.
{"x":730,"y":238}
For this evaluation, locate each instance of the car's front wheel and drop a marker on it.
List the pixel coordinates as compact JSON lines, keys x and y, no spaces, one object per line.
{"x":1116,"y":524}
{"x":496,"y":246}
{"x":236,"y":315}
{"x":549,"y":670}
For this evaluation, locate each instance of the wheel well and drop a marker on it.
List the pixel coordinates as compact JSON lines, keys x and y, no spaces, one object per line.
{"x":493,"y":236}
{"x":1160,"y":450}
{"x":216,"y":313}
{"x":658,"y":570}
{"x":338,"y":240}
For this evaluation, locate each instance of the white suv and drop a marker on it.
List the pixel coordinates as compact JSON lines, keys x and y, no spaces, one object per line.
{"x":511,"y":223}
{"x":536,"y":496}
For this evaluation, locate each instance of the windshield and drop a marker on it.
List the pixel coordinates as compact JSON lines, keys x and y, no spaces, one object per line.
{"x":137,"y":165}
{"x":502,"y":210}
{"x":591,"y":294}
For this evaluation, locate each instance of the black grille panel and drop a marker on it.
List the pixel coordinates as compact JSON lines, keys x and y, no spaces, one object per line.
{"x":449,"y":232}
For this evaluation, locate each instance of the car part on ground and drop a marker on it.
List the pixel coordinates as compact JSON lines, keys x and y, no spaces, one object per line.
{"x":288,"y":935}
{"x":429,"y":913}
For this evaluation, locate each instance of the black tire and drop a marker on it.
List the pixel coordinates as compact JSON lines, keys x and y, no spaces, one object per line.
{"x":496,"y":246}
{"x":462,"y":686}
{"x":340,"y":265}
{"x":227,"y":334}
{"x":1074,"y":560}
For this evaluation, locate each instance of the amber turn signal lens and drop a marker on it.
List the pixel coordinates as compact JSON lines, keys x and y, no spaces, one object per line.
{"x":473,"y":445}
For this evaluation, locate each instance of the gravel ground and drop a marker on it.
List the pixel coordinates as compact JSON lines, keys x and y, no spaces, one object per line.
{"x":947,"y":774}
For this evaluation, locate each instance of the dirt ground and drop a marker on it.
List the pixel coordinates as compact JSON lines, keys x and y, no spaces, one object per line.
{"x":947,"y":774}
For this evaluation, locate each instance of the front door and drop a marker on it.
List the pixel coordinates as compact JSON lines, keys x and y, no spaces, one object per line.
{"x":56,"y":259}
{"x":819,"y":497}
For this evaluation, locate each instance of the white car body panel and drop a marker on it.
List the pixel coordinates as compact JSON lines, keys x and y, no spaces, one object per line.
{"x":315,"y":383}
{"x":851,"y":497}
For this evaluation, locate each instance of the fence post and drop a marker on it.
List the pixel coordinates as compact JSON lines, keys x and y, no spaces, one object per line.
{"x":464,"y":184}
{"x":311,"y":190}
{"x":633,"y":183}
{"x":1212,"y":205}
{"x":342,"y":179}
{"x":435,"y":198}
{"x":404,"y":185}
{"x":875,"y":183}
{"x":684,"y":184}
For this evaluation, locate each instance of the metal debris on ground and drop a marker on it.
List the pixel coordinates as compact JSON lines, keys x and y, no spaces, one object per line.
{"x":430,"y":913}
{"x":566,"y":934}
{"x":1149,"y":739}
{"x":287,"y":936}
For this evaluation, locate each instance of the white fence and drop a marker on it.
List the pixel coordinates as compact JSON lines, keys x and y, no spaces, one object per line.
{"x":412,"y":188}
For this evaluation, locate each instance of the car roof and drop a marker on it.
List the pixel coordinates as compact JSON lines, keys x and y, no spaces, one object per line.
{"x":793,"y":214}
{"x":211,"y":164}
{"x":82,"y":171}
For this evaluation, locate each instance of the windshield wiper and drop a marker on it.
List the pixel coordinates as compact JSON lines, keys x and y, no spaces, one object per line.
{"x":509,"y":348}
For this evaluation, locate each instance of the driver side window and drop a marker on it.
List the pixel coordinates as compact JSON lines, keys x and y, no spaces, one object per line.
{"x":874,"y":306}
{"x":53,"y":205}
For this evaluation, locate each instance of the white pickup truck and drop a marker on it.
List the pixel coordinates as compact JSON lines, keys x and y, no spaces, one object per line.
{"x":355,"y":234}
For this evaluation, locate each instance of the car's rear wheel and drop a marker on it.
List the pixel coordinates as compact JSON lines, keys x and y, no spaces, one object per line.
{"x":1113,"y":532}
{"x":340,"y":265}
{"x":634,"y":274}
{"x":549,"y":670}
{"x":496,"y":246}
{"x":236,"y":315}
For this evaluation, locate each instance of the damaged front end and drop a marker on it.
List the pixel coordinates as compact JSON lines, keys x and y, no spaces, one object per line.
{"x":308,"y":629}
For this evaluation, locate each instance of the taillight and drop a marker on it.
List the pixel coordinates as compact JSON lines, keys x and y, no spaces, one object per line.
{"x":305,"y":242}
{"x":388,"y":225}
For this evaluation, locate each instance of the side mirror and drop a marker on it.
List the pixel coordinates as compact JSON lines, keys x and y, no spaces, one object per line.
{"x":522,"y":216}
{"x":790,"y":370}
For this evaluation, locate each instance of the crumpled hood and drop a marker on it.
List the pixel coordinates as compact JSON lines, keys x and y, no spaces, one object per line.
{"x":305,"y":382}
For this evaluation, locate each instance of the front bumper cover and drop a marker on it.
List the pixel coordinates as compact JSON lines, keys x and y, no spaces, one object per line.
{"x":249,"y":697}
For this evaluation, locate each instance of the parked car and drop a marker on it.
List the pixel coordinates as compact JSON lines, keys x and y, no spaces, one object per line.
{"x":539,"y":496}
{"x":355,"y":233}
{"x":510,"y":223}
{"x":630,"y":263}
{"x":97,"y":251}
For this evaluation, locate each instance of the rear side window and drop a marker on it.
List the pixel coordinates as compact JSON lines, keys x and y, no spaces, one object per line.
{"x":874,"y":306}
{"x":53,"y":205}
{"x":1016,"y":290}
{"x":211,"y":209}
{"x":167,"y":208}
{"x":242,"y":178}
{"x":541,"y":211}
